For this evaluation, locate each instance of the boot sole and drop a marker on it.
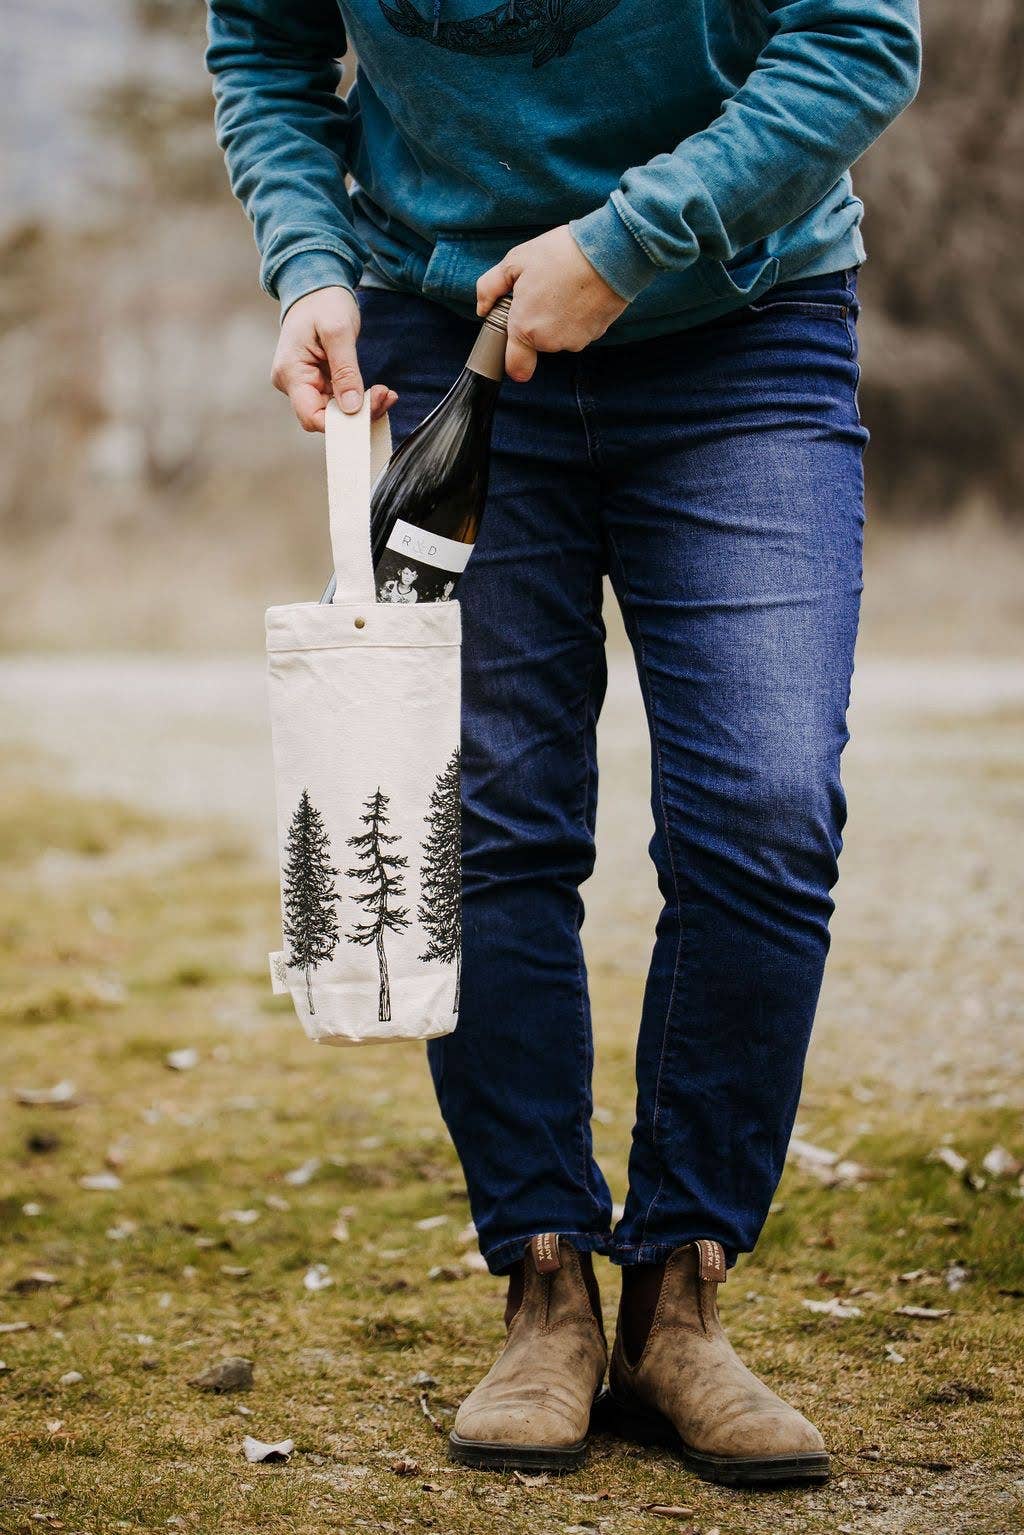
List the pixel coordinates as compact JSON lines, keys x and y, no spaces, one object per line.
{"x":483,"y":1456}
{"x":652,"y":1428}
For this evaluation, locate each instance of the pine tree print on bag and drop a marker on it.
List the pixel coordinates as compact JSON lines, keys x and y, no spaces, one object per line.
{"x":310,"y":918}
{"x":440,"y":909}
{"x":381,"y":872}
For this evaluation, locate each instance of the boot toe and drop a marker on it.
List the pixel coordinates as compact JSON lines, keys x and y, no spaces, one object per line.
{"x":515,"y":1421}
{"x":780,"y":1432}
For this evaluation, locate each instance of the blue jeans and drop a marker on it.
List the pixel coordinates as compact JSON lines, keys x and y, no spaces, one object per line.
{"x":715,"y":475}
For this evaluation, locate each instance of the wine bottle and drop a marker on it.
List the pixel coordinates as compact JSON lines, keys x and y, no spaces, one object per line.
{"x":427,"y":505}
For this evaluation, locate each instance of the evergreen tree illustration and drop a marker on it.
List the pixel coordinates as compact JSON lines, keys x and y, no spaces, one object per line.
{"x":440,"y":909}
{"x":381,"y":872}
{"x":311,"y":921}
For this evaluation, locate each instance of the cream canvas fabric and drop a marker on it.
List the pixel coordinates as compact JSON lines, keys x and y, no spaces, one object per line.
{"x":365,"y":711}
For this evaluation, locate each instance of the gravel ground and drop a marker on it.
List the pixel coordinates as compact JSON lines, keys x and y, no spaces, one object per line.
{"x":924,"y":989}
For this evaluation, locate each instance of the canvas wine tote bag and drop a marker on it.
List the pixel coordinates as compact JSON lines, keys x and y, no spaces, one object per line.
{"x":365,"y":712}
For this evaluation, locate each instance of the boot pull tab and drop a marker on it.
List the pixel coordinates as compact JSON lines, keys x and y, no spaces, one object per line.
{"x":710,"y":1261}
{"x":545,"y":1254}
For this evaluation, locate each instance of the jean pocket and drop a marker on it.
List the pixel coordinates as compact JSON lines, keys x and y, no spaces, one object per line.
{"x":809,"y":308}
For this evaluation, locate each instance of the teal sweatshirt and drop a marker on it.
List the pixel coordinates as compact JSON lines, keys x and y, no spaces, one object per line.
{"x":699,"y":150}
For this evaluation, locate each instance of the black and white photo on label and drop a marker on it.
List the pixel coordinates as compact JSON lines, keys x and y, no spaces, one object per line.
{"x":400,"y":588}
{"x":309,"y":895}
{"x":400,"y":579}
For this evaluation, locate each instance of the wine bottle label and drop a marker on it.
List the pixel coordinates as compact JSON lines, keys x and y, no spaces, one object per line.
{"x":419,"y":566}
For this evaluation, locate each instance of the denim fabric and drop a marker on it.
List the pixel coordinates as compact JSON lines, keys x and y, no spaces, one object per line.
{"x":716,"y":476}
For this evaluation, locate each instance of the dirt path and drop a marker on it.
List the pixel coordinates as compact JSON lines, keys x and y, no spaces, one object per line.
{"x":924,"y":988}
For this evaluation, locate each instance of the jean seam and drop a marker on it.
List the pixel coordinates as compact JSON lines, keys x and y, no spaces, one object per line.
{"x":648,"y":690}
{"x":585,"y":406}
{"x":515,"y":1247}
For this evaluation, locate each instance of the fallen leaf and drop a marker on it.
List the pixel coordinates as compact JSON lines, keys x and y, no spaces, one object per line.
{"x":317,"y":1278}
{"x":36,"y":1279}
{"x":431,"y":1222}
{"x":870,"y":1452}
{"x":810,"y":1157}
{"x":241,"y":1217}
{"x":893,"y":1356}
{"x":422,"y":1378}
{"x":923,"y":1313}
{"x":233,"y":1374}
{"x":1000,"y":1163}
{"x":956,"y":1276}
{"x":949,"y":1158}
{"x":100,"y":1183}
{"x":300,"y":1176}
{"x":116,"y":1155}
{"x":122,"y":1230}
{"x":529,"y":1479}
{"x":276,"y":1202}
{"x":447,"y":1272}
{"x":339,"y":1231}
{"x":405,"y":1466}
{"x":917,"y":1276}
{"x":827,"y":1166}
{"x":15,"y":1326}
{"x":955,"y":1392}
{"x":235,"y":1270}
{"x":256,"y":1452}
{"x":60,"y":1096}
{"x":72,"y":1378}
{"x":109,"y":990}
{"x":834,"y":1307}
{"x":182,"y":1060}
{"x":467,"y":1236}
{"x":669,"y":1510}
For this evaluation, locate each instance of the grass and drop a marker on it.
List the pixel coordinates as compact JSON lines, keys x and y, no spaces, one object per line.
{"x":129,"y":937}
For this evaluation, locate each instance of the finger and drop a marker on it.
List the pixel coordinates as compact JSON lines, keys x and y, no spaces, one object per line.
{"x":381,"y":400}
{"x":343,"y":367}
{"x":309,"y":404}
{"x":520,"y":358}
{"x":494,"y":284}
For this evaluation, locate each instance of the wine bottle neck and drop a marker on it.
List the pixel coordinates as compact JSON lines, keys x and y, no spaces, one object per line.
{"x":488,"y":354}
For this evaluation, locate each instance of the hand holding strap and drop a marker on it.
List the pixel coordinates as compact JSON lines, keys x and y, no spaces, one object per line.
{"x":357,"y":452}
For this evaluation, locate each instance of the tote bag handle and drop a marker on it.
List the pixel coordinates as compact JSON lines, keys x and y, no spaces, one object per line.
{"x":357,"y":451}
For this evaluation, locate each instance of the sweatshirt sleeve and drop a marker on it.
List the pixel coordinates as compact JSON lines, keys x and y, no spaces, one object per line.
{"x":285,"y":135}
{"x":831,"y":75}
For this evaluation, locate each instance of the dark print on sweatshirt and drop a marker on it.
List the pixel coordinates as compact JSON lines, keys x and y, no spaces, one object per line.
{"x":545,"y":28}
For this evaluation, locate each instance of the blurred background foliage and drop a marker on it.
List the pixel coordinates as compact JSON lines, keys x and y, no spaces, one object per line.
{"x":140,"y":441}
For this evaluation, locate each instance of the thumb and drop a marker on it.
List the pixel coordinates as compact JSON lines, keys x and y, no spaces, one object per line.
{"x":343,"y":366}
{"x":495,"y":283}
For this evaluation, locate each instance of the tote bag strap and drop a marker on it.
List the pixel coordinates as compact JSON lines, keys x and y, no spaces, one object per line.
{"x":357,"y":451}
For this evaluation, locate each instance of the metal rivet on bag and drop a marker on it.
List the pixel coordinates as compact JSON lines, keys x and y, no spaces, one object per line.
{"x":360,"y":623}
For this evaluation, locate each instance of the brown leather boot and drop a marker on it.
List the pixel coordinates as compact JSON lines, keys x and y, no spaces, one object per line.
{"x":675,"y":1379}
{"x":531,"y":1411}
